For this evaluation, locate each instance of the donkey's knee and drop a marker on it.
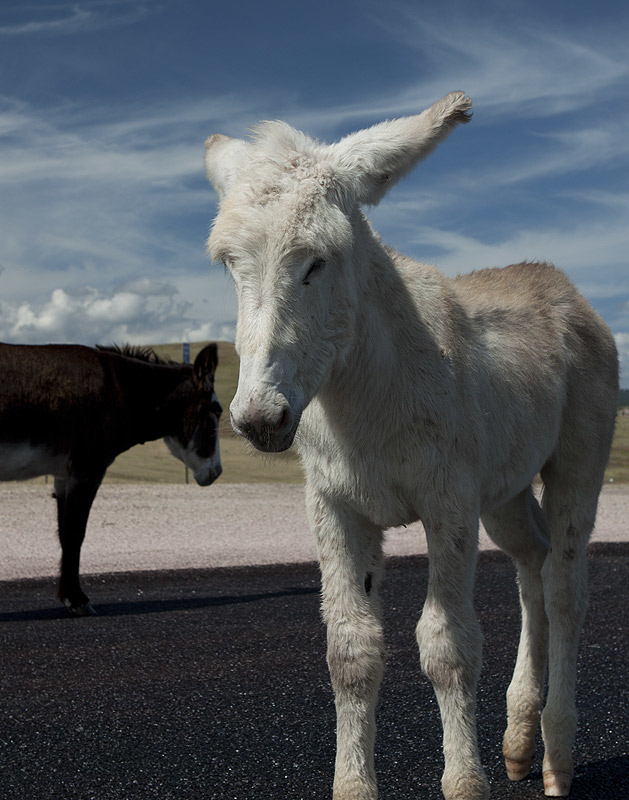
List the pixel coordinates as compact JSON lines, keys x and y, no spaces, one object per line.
{"x":450,"y":652}
{"x":355,"y":656}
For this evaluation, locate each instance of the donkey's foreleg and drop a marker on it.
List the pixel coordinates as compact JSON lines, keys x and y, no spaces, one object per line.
{"x":74,"y":501}
{"x":450,"y":645}
{"x":350,"y":556}
{"x":520,"y":529}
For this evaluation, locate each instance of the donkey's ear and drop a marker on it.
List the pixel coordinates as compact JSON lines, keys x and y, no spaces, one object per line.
{"x":224,"y":157}
{"x":369,"y":162}
{"x":205,"y":365}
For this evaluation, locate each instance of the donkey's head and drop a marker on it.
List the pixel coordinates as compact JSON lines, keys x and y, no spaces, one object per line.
{"x":290,"y":231}
{"x":198,"y":414}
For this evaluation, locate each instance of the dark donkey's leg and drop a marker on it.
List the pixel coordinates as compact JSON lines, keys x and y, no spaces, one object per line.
{"x":74,"y":501}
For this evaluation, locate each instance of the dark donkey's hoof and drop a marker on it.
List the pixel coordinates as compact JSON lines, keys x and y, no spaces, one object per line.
{"x":80,"y":609}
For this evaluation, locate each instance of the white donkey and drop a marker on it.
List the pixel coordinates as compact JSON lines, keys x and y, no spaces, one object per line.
{"x":417,"y":397}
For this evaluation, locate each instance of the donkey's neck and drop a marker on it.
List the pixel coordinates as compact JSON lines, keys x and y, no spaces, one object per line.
{"x":395,"y":323}
{"x":396,"y":356}
{"x":152,"y":400}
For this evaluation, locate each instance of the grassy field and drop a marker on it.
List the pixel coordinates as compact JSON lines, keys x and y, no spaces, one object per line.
{"x":618,"y":467}
{"x":152,"y":463}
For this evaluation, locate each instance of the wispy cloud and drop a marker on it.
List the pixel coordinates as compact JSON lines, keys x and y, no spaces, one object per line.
{"x":532,"y":66}
{"x":573,"y":150}
{"x":65,"y":19}
{"x":91,"y":189}
{"x":511,"y":71}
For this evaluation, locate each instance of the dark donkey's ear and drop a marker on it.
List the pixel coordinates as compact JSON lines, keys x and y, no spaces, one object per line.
{"x":205,"y":365}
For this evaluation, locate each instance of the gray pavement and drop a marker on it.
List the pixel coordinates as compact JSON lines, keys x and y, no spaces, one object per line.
{"x":155,"y":526}
{"x":210,"y":683}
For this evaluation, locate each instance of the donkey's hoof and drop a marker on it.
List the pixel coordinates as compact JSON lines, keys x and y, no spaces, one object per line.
{"x":556,"y":783}
{"x":518,"y":770}
{"x":470,"y":786}
{"x":80,"y":610}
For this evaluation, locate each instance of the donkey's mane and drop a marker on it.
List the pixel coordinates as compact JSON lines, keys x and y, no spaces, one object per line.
{"x":276,"y":138}
{"x":135,"y":351}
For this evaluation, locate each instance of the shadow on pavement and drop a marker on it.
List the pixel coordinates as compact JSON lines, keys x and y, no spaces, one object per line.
{"x":213,"y":684}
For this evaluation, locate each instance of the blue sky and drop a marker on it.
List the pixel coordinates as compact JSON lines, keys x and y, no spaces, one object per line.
{"x":105,"y":105}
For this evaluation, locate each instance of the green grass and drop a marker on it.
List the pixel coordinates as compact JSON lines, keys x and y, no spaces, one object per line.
{"x":152,"y":463}
{"x":618,"y":467}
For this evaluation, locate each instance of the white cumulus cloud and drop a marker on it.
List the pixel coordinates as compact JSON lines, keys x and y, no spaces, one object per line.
{"x":152,"y":313}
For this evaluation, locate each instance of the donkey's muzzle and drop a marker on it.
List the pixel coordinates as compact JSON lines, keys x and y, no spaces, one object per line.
{"x":206,"y":477}
{"x":270,"y":431}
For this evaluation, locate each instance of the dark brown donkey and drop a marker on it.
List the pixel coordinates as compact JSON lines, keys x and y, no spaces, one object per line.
{"x":69,"y":410}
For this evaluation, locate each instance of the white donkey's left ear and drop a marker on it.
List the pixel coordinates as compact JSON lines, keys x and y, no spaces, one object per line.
{"x":224,"y":158}
{"x":369,"y":162}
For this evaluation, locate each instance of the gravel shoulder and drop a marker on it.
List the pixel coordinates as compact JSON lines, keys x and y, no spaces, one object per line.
{"x":164,"y":527}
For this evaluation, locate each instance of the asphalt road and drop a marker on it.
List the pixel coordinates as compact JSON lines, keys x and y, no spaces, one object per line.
{"x":212,"y":684}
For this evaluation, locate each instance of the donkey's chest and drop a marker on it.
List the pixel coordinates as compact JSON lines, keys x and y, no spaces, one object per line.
{"x":385,"y":499}
{"x":381,"y":483}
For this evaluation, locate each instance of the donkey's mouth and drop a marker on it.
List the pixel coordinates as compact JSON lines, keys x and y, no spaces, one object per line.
{"x":267,"y":442}
{"x":208,"y":476}
{"x":266,"y":438}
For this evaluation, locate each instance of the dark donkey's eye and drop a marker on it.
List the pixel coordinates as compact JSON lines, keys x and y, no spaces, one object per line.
{"x":317,"y":264}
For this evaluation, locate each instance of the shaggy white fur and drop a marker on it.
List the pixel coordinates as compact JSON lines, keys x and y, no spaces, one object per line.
{"x":414,"y":396}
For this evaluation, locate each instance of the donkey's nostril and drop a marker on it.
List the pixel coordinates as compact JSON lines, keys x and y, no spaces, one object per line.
{"x":236,"y":424}
{"x":285,"y":419}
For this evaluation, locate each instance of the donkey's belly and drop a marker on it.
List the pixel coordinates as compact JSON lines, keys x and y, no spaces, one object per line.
{"x":19,"y":462}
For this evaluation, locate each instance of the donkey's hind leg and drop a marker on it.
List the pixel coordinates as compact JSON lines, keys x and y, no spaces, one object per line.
{"x":573,"y":477}
{"x":570,"y":505}
{"x":520,"y":529}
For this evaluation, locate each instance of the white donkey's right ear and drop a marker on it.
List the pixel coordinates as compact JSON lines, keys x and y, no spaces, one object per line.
{"x":369,"y":162}
{"x":224,"y":158}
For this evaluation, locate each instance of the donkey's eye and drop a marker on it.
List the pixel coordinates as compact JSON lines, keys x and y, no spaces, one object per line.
{"x":227,"y":261}
{"x":316,"y":265}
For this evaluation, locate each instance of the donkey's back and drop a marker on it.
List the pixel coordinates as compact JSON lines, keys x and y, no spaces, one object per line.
{"x":52,"y":398}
